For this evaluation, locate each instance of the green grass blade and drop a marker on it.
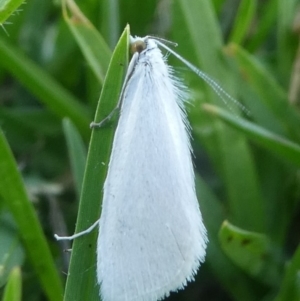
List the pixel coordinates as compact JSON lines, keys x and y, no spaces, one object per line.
{"x":243,"y":20}
{"x":266,"y":22}
{"x":77,"y":153}
{"x":13,"y":288}
{"x":41,"y":84}
{"x":81,"y":283}
{"x":13,"y":192}
{"x":278,"y":145}
{"x":250,"y":251}
{"x":290,"y":287}
{"x":11,"y":250}
{"x":92,"y":44}
{"x":7,"y":8}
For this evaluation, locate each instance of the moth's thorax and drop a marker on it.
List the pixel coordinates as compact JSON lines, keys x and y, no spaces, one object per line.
{"x":151,"y":57}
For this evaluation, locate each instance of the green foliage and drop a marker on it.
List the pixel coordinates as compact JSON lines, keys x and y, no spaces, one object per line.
{"x":54,"y":64}
{"x":13,"y":194}
{"x":250,"y":251}
{"x":7,"y":8}
{"x":13,"y":289}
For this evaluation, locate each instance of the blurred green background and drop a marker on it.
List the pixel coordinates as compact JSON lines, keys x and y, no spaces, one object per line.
{"x":53,"y":64}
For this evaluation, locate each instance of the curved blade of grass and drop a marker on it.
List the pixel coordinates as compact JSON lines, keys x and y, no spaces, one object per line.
{"x":290,"y":287}
{"x":81,"y":282}
{"x":13,"y":192}
{"x":92,"y":44}
{"x":7,"y":8}
{"x":243,"y":21}
{"x":278,"y":145}
{"x":77,"y":153}
{"x":13,"y":288}
{"x":251,"y":251}
{"x":48,"y":91}
{"x":11,"y":250}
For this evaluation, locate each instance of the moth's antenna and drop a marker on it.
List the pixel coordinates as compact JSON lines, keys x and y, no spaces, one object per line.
{"x":213,"y":84}
{"x":163,"y":41}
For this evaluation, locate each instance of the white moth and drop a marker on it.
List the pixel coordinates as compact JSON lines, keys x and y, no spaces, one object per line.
{"x":151,"y":237}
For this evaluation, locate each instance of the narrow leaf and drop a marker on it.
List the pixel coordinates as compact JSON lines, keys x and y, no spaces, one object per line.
{"x":48,"y":91}
{"x":13,"y":288}
{"x":77,"y":153}
{"x":290,"y":287}
{"x":243,"y":21}
{"x":251,"y":251}
{"x":11,"y":250}
{"x":7,"y":8}
{"x":13,"y":192}
{"x":92,"y":44}
{"x":81,"y":282}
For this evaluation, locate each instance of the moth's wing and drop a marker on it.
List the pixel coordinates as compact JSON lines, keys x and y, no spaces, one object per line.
{"x":151,"y":239}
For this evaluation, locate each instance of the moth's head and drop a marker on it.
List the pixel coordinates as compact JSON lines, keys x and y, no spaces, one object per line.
{"x":137,"y":44}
